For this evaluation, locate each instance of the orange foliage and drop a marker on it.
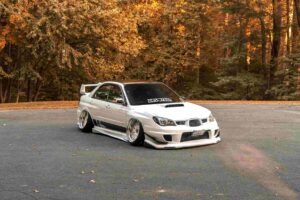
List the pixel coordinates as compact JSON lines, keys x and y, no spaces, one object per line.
{"x":2,"y":43}
{"x":13,"y":19}
{"x":3,"y":33}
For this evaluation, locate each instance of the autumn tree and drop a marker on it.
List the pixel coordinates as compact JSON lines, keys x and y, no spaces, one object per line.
{"x":95,"y":36}
{"x":223,"y":49}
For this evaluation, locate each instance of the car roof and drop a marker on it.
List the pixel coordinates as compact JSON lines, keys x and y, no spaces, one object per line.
{"x":127,"y":82}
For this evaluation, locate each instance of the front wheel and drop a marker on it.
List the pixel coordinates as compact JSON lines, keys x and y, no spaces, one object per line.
{"x":85,"y":122}
{"x":135,"y":133}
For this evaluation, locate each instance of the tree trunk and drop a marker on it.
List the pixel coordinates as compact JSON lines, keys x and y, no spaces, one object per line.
{"x":263,"y":45}
{"x":298,"y":81}
{"x":296,"y":37}
{"x":276,"y":41}
{"x":242,"y":45}
{"x":17,"y":64}
{"x":38,"y":87}
{"x":295,"y":33}
{"x":18,"y":91}
{"x":8,"y":90}
{"x":19,"y":88}
{"x":198,"y":54}
{"x":1,"y":91}
{"x":29,"y":90}
{"x":297,"y":7}
{"x":288,"y":26}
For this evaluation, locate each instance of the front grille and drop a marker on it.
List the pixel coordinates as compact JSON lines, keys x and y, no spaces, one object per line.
{"x":188,"y":136}
{"x":194,"y":122}
{"x":180,"y":122}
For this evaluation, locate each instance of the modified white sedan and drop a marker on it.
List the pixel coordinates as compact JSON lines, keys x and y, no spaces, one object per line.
{"x":145,"y":112}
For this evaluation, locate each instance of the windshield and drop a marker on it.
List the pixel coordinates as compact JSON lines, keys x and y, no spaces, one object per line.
{"x":150,"y":93}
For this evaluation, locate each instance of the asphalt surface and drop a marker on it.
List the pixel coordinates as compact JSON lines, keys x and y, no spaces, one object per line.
{"x":44,"y":156}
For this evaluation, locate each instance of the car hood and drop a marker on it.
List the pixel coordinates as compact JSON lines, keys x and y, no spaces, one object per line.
{"x":185,"y":112}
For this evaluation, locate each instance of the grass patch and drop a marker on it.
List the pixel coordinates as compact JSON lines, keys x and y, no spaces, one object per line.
{"x":39,"y":105}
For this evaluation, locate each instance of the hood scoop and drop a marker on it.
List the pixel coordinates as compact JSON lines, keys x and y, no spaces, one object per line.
{"x":174,"y":105}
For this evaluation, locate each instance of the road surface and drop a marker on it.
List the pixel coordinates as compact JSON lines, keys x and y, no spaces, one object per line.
{"x":44,"y":156}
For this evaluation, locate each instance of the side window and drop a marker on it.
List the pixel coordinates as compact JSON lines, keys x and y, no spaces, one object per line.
{"x":110,"y":93}
{"x":102,"y":93}
{"x":115,"y":94}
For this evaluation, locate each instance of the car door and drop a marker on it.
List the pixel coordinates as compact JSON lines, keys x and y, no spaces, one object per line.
{"x":116,"y":107}
{"x":99,"y":103}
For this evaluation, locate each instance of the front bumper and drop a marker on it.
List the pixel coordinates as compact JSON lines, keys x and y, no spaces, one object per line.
{"x":173,"y":137}
{"x":187,"y":144}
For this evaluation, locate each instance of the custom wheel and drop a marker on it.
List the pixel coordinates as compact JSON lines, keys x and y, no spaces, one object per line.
{"x":85,"y":122}
{"x":135,"y":133}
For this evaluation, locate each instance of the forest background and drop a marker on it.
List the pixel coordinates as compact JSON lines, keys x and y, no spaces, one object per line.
{"x":205,"y":49}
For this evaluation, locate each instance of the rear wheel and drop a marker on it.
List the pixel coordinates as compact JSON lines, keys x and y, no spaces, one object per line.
{"x":85,"y":122}
{"x":135,"y":133}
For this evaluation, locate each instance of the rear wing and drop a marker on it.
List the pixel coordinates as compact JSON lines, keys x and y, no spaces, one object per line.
{"x":87,"y":88}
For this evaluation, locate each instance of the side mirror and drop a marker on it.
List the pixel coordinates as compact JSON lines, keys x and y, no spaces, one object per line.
{"x":119,"y":101}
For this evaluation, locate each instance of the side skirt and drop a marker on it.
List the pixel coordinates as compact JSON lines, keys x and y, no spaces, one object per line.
{"x":112,"y":133}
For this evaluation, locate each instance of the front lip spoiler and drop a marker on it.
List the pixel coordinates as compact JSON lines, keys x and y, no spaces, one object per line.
{"x":180,"y":145}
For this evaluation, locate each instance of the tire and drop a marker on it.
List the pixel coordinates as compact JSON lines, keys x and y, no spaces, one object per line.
{"x":85,"y":122}
{"x":135,"y":133}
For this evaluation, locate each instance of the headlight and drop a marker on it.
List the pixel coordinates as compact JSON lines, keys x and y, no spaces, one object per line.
{"x":163,"y":121}
{"x":211,"y":118}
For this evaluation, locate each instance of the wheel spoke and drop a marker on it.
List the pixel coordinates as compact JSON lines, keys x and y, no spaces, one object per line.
{"x":83,"y":118}
{"x":133,"y":131}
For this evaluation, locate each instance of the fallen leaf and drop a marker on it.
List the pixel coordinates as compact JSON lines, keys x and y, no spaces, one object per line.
{"x":92,"y":171}
{"x":92,"y":181}
{"x":161,"y":191}
{"x":82,"y":172}
{"x":36,"y":191}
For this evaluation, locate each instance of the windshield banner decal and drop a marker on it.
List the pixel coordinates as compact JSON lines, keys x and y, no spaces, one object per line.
{"x":156,"y":100}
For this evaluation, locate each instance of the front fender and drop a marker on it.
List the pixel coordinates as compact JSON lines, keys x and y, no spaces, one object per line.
{"x":144,"y":118}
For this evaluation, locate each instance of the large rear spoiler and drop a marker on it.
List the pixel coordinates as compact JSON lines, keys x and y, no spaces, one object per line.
{"x":87,"y":88}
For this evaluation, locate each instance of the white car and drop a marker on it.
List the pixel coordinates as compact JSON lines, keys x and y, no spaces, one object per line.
{"x":145,"y":112}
